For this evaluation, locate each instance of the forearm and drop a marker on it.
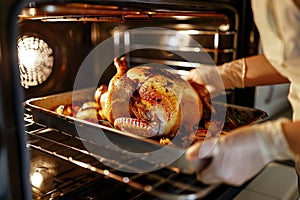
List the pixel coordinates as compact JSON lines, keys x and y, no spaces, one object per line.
{"x":241,"y":73}
{"x":259,"y":71}
{"x":291,"y":132}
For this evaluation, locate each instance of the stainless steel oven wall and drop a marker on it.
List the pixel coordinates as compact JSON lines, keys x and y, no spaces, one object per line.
{"x":214,"y":32}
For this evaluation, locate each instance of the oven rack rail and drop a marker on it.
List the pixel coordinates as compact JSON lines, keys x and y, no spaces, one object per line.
{"x":164,"y":183}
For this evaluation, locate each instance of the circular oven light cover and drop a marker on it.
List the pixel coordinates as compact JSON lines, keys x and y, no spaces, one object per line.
{"x":35,"y":59}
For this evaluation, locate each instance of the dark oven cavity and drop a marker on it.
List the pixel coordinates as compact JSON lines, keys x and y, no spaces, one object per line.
{"x":61,"y":35}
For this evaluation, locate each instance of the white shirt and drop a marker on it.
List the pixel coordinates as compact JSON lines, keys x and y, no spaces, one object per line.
{"x":278,"y":22}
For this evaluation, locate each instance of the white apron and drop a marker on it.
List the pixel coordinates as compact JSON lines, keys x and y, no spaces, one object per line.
{"x":278,"y":22}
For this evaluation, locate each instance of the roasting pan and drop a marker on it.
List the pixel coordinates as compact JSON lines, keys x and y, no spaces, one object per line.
{"x":43,"y":113}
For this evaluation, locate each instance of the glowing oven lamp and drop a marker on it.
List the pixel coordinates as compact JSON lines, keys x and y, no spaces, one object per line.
{"x":35,"y":59}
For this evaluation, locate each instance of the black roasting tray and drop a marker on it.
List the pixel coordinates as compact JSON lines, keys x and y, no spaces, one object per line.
{"x":42,"y":112}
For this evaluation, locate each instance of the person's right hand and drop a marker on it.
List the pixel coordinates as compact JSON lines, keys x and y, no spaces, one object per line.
{"x":216,"y":79}
{"x":207,"y":76}
{"x":240,"y":155}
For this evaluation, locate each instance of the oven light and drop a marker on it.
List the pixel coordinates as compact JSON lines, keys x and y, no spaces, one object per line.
{"x":28,"y":57}
{"x":42,"y":174}
{"x":35,"y":59}
{"x":36,"y":179}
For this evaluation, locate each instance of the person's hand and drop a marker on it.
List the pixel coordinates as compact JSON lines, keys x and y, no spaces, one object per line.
{"x":216,"y":79}
{"x":239,"y":156}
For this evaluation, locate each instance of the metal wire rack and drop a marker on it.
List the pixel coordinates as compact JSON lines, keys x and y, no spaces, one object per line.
{"x":164,"y":183}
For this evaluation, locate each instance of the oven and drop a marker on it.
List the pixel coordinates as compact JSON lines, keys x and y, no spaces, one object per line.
{"x":49,"y":49}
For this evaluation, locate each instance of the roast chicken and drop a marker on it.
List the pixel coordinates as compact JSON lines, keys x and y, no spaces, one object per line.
{"x":149,"y":101}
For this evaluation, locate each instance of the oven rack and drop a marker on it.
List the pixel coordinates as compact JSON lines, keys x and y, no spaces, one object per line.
{"x":165,"y":183}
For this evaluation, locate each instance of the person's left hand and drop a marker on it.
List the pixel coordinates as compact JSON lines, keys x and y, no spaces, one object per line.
{"x":237,"y":157}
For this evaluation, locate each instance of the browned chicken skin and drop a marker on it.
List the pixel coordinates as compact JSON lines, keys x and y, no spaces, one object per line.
{"x":149,"y":101}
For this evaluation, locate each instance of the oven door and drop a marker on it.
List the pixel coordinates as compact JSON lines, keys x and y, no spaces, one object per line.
{"x":14,"y":157}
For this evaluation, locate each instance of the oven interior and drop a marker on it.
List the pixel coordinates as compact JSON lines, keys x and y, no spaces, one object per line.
{"x":64,"y":34}
{"x":54,"y":39}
